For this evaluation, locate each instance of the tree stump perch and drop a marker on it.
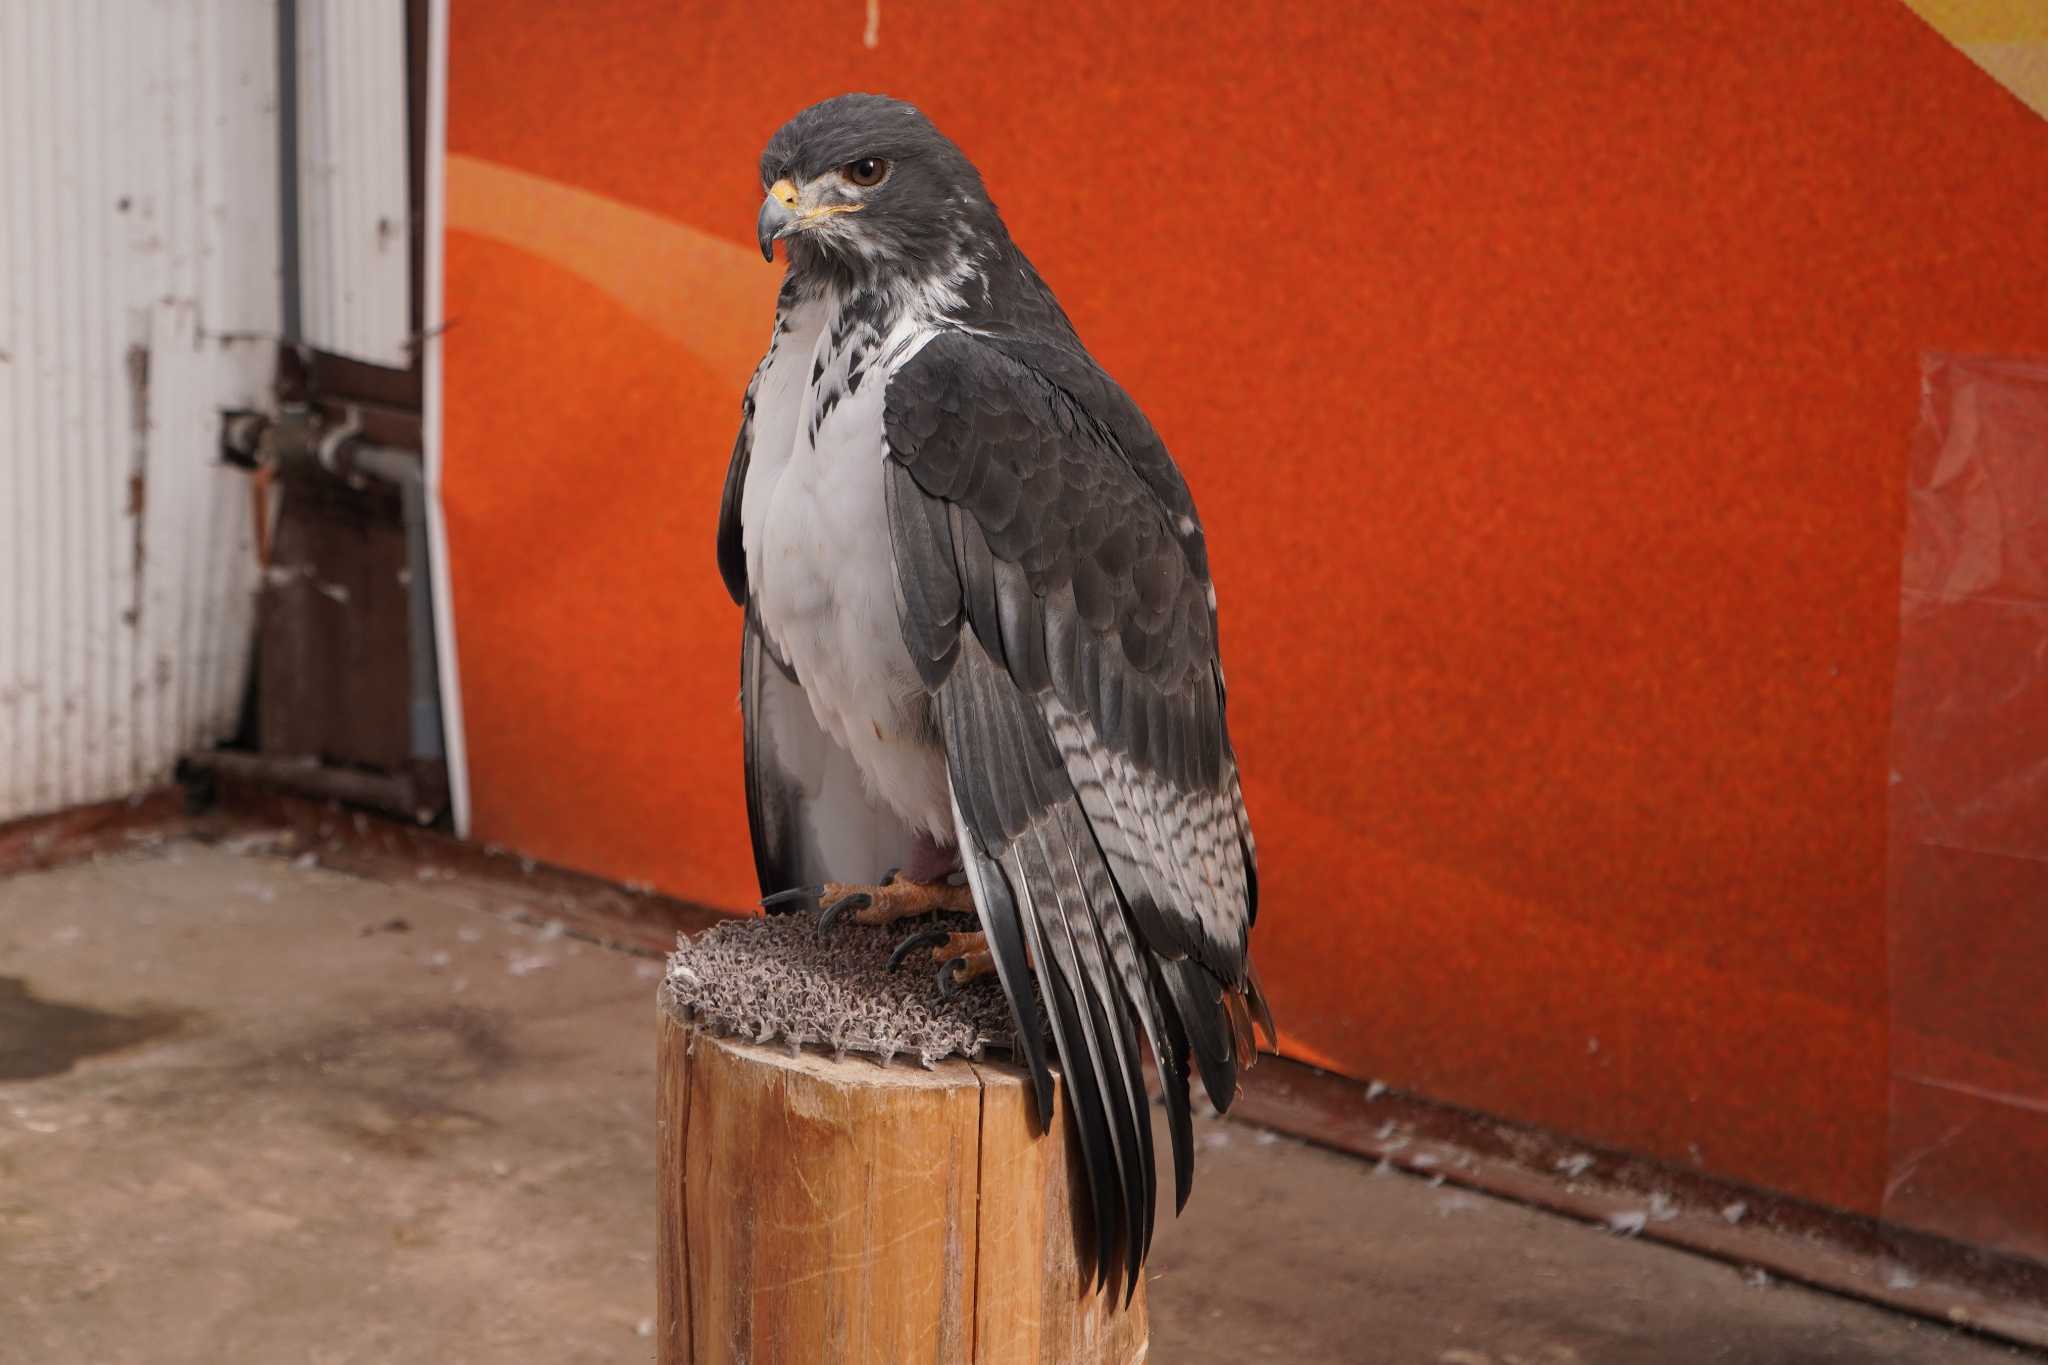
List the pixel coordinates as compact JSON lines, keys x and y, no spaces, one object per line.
{"x":814,"y":1211}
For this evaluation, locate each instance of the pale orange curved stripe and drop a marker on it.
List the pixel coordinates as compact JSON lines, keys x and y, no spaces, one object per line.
{"x":713,"y":296}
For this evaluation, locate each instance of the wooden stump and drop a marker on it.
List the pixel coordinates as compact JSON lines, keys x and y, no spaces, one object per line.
{"x":814,"y":1212}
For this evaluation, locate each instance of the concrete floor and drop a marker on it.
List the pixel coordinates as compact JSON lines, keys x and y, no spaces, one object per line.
{"x":252,"y":1110}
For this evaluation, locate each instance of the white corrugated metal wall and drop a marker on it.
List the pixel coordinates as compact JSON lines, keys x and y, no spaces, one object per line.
{"x":356,"y":249}
{"x":139,"y":296}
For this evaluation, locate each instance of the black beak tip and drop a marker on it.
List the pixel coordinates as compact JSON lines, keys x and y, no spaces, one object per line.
{"x":774,"y":221}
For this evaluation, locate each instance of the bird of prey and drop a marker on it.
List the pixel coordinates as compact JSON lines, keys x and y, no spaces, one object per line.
{"x":980,"y":637}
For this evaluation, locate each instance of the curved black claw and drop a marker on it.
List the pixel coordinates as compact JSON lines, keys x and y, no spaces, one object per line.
{"x":790,"y":901}
{"x":889,"y":876}
{"x":923,"y":938}
{"x":853,"y":900}
{"x":950,"y":980}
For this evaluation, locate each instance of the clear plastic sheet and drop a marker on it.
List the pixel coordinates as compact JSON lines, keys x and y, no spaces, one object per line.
{"x":1968,"y":887}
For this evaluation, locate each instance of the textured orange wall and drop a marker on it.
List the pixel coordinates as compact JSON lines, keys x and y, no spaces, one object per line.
{"x":1546,"y":386}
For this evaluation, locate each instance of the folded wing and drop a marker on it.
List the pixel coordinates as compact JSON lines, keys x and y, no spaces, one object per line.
{"x":1053,"y":592}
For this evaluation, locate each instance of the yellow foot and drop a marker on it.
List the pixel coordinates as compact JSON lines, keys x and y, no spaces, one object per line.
{"x":961,"y":957}
{"x":885,"y":904}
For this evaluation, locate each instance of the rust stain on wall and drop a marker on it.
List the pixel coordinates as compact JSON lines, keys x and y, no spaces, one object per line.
{"x":138,"y":477}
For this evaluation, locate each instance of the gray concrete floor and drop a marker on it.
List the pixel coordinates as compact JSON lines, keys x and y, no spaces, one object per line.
{"x":252,"y":1110}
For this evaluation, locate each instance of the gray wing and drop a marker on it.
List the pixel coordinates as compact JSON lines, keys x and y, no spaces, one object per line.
{"x":732,"y":550}
{"x":808,"y":810}
{"x":1055,"y":600}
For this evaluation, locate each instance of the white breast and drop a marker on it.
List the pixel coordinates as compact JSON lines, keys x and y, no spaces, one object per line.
{"x":819,"y":560}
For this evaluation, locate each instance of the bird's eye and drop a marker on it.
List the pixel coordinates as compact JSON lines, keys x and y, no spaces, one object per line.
{"x":866,"y":172}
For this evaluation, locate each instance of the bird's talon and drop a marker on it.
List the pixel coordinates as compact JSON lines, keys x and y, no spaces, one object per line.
{"x":927,"y":938}
{"x":950,"y":978}
{"x":787,"y":902}
{"x":857,"y":900}
{"x":889,"y":876}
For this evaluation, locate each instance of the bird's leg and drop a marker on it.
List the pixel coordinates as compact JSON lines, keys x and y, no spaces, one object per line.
{"x":883,"y":903}
{"x":962,"y":958}
{"x":930,"y":860}
{"x":924,"y":885}
{"x":920,"y":887}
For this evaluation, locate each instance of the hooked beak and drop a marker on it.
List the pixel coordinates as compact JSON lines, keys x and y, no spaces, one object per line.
{"x":778,"y":218}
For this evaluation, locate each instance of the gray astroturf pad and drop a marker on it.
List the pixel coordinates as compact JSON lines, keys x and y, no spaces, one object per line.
{"x":776,"y":979}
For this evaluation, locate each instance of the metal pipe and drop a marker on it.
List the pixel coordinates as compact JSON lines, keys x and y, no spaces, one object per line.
{"x":307,"y":777}
{"x":403,"y":469}
{"x":288,"y":164}
{"x":300,"y":445}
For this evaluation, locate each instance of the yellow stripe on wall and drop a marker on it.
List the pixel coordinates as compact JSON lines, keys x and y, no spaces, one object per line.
{"x":2007,"y":38}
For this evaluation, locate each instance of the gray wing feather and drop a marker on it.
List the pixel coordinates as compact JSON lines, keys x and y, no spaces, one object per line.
{"x":1006,"y":784}
{"x":732,"y":551}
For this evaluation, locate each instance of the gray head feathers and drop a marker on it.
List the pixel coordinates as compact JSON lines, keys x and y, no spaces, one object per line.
{"x":925,"y":215}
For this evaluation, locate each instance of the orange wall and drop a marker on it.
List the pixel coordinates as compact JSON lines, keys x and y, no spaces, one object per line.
{"x":1546,"y":386}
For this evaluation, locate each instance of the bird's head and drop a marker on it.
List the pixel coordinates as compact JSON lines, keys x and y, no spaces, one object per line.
{"x":863,"y":185}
